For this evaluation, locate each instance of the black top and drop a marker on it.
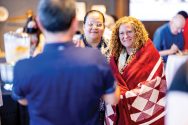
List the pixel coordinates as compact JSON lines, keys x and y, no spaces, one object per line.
{"x":180,"y":81}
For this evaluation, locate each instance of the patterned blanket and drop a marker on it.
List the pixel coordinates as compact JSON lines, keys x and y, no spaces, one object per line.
{"x":143,"y":89}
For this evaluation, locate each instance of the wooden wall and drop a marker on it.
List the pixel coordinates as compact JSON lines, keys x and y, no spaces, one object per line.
{"x":151,"y":26}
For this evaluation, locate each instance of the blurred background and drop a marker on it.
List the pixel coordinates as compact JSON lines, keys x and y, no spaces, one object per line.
{"x":153,"y":13}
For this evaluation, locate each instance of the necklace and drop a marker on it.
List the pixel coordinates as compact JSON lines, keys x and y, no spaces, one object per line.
{"x":124,"y":59}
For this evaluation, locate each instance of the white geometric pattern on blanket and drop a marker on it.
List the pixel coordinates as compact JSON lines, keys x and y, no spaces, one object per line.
{"x":139,"y":103}
{"x":161,"y":102}
{"x":154,"y":96}
{"x":109,"y":112}
{"x":135,"y":116}
{"x":142,"y":89}
{"x":149,"y":112}
{"x":147,"y":105}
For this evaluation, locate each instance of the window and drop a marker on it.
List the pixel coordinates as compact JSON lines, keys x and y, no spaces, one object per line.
{"x":156,"y":10}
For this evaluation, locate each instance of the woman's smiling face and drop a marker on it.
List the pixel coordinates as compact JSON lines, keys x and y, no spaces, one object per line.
{"x":94,"y":26}
{"x":126,"y":35}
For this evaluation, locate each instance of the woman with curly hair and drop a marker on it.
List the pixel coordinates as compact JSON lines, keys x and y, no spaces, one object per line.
{"x":139,"y":72}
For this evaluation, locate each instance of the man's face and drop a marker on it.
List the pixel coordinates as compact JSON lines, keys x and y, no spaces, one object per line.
{"x":177,"y":24}
{"x":176,"y":28}
{"x":94,"y":26}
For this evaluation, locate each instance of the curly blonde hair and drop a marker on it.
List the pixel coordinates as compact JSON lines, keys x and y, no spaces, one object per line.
{"x":140,"y":38}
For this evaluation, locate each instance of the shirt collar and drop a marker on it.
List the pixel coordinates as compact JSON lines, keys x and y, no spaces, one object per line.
{"x":101,"y":43}
{"x":58,"y":46}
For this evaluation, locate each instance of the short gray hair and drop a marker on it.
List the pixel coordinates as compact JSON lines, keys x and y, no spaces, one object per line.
{"x":56,"y":15}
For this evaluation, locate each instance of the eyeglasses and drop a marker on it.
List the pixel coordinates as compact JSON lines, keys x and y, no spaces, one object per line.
{"x":92,"y":24}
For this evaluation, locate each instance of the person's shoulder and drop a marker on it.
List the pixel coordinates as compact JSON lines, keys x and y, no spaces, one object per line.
{"x":22,"y":64}
{"x":22,"y":61}
{"x":92,"y":54}
{"x":180,"y":81}
{"x":30,"y":60}
{"x":89,"y":50}
{"x":161,"y":30}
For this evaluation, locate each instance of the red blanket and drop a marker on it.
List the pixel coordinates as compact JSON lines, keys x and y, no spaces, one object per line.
{"x":185,"y":35}
{"x":143,"y":88}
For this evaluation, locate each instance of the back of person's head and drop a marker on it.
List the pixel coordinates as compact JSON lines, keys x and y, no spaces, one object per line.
{"x":56,"y":15}
{"x":177,"y":23}
{"x":183,"y":13}
{"x":93,"y":11}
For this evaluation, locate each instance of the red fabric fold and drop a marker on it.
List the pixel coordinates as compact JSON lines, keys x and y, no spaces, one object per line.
{"x":185,"y":35}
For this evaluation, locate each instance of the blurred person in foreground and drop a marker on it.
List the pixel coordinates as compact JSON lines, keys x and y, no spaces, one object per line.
{"x":177,"y":98}
{"x":185,"y":29}
{"x":59,"y":86}
{"x":139,"y":71}
{"x":168,"y":38}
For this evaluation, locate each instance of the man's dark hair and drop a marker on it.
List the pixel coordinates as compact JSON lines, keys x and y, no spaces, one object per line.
{"x":56,"y":15}
{"x":183,"y":13}
{"x":93,"y":11}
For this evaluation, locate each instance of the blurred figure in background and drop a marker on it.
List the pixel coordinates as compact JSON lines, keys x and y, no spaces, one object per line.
{"x":177,"y":98}
{"x":36,"y":37}
{"x":139,"y":71}
{"x":32,"y":29}
{"x":168,"y":38}
{"x":110,"y":21}
{"x":185,"y":29}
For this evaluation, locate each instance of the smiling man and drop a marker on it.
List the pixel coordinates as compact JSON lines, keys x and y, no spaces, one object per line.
{"x":168,"y":38}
